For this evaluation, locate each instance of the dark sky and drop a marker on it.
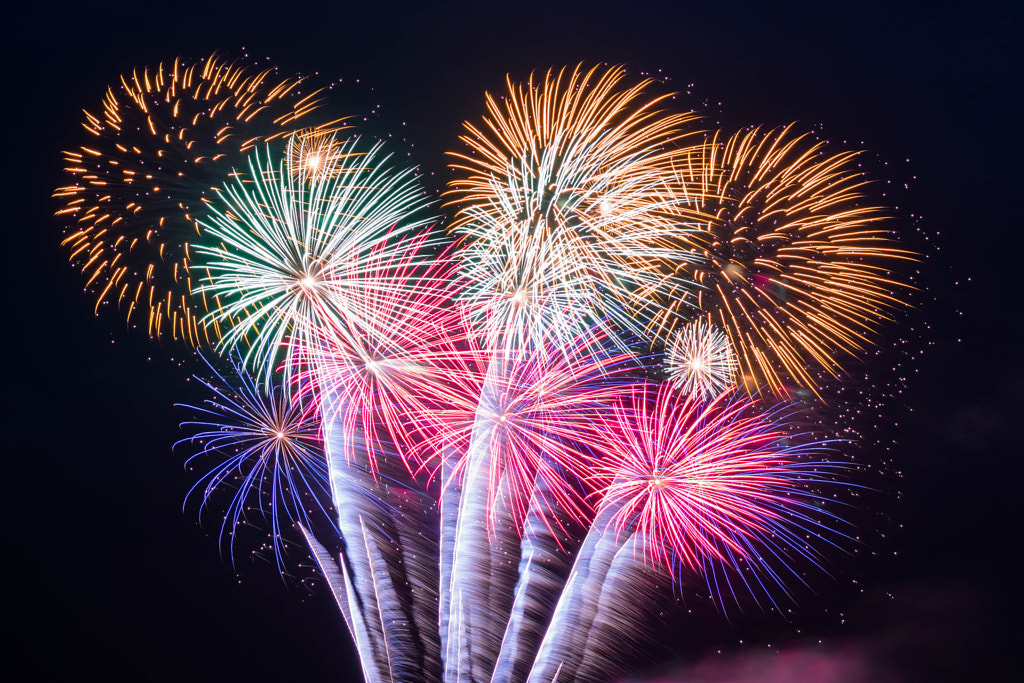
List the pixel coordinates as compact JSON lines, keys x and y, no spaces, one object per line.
{"x":107,"y":578}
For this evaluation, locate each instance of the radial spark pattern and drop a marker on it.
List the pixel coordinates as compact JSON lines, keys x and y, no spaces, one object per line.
{"x":315,"y":154}
{"x":267,"y":453}
{"x":295,"y":244}
{"x":701,"y":361}
{"x":536,"y":410}
{"x":410,"y":376}
{"x":796,"y":265}
{"x":718,"y":485}
{"x":155,"y":155}
{"x":562,"y":201}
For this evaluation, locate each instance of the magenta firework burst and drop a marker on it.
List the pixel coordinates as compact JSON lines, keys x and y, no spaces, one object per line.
{"x":719,"y":483}
{"x":408,"y":374}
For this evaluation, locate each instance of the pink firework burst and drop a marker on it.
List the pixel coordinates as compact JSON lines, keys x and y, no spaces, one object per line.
{"x":716,"y":485}
{"x":408,"y":375}
{"x":541,"y":404}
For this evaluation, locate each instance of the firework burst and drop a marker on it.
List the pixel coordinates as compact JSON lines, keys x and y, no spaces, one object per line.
{"x":156,"y":155}
{"x":563,"y":205}
{"x":268,"y":454}
{"x":316,"y":153}
{"x":295,"y":242}
{"x":687,"y":485}
{"x":519,"y":476}
{"x":409,"y":377}
{"x":701,"y":361}
{"x":536,"y":408}
{"x":796,"y":267}
{"x":713,"y":483}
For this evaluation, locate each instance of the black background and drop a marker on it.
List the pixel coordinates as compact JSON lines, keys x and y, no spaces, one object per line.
{"x":107,"y":579}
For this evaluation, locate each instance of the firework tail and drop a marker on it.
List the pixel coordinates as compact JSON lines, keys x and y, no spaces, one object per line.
{"x":543,"y":565}
{"x":451,"y":495}
{"x":334,"y":571}
{"x":473,"y":631}
{"x":622,"y":624}
{"x":389,"y":590}
{"x":560,"y":654}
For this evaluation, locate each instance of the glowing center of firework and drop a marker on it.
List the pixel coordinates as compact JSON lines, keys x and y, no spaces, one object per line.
{"x":519,"y":297}
{"x":605,"y":207}
{"x":696,"y":364}
{"x":313,"y":162}
{"x":308,"y":283}
{"x":371,"y":365}
{"x":280,"y":435}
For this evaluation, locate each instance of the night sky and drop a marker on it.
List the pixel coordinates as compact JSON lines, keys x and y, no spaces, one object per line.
{"x":107,"y":578}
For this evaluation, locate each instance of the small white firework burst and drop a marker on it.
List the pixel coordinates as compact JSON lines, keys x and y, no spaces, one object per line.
{"x":701,"y":360}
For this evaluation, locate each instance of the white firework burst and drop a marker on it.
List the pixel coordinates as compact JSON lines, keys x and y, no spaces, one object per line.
{"x":296,"y":246}
{"x":701,"y":361}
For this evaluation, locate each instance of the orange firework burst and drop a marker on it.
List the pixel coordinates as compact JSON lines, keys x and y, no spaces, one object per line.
{"x":316,"y":153}
{"x":156,"y":153}
{"x":796,"y":265}
{"x":564,"y":203}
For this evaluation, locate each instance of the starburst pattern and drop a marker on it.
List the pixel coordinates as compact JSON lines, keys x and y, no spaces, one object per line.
{"x":536,"y":409}
{"x":797,"y":268}
{"x":155,"y":157}
{"x":410,"y":375}
{"x":316,"y":153}
{"x":711,"y":484}
{"x":267,"y":454}
{"x":564,"y":206}
{"x":701,"y":361}
{"x":294,"y":243}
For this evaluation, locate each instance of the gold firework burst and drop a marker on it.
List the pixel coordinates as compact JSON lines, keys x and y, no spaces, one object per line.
{"x":563,"y":201}
{"x":797,"y":267}
{"x":316,"y":153}
{"x":162,"y":144}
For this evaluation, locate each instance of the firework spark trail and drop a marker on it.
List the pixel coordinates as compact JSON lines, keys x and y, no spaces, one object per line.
{"x":330,"y":567}
{"x":448,"y":503}
{"x":155,"y":158}
{"x":271,"y":454}
{"x":544,"y":564}
{"x":560,"y":651}
{"x":567,"y":228}
{"x":622,"y":626}
{"x":710,"y":488}
{"x":467,"y":627}
{"x":524,"y":428}
{"x":796,"y":268}
{"x":388,"y":566}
